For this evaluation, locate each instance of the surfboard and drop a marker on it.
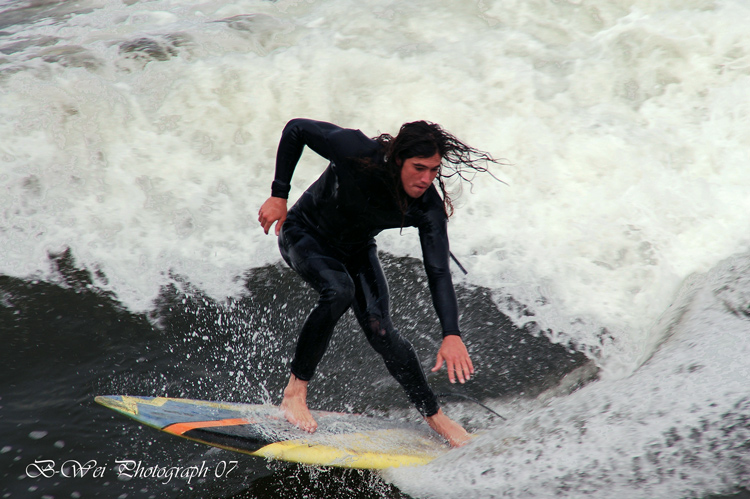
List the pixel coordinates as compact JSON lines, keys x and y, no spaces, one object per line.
{"x":342,"y":440}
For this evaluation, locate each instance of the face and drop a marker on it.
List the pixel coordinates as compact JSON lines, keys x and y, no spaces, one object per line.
{"x":417,"y":174}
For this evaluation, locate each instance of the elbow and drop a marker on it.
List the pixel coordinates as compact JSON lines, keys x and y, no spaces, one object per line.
{"x":291,"y":125}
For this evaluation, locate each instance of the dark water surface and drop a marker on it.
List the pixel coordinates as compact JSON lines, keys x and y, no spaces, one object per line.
{"x":64,"y":342}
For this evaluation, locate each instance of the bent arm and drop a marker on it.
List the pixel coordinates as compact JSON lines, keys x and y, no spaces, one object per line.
{"x":297,"y":134}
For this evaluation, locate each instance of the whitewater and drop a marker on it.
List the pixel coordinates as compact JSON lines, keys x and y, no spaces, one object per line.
{"x":141,"y":136}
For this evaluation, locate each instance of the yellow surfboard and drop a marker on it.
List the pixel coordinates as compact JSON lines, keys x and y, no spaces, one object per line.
{"x":343,"y":440}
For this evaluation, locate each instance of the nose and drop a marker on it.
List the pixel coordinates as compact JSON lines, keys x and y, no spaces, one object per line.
{"x":427,"y":177}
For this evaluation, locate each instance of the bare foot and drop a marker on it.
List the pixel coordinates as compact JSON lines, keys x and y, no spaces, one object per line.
{"x":294,"y":405}
{"x":448,"y":429}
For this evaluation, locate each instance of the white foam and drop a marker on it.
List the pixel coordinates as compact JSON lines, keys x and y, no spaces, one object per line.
{"x":671,"y":429}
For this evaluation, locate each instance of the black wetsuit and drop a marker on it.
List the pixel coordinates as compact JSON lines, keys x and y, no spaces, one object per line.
{"x":328,"y":238}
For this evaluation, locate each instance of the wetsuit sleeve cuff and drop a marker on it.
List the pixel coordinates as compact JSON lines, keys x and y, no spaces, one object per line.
{"x":451,"y":333}
{"x":280,"y":189}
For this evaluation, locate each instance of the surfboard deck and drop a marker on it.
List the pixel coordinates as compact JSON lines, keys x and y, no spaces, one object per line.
{"x":342,"y":440}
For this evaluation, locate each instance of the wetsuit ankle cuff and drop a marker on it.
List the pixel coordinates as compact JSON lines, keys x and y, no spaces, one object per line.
{"x":299,"y":376}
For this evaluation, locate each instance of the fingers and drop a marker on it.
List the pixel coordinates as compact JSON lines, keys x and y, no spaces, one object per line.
{"x":278,"y":225}
{"x":263,"y":222}
{"x":462,"y":369}
{"x":457,"y":361}
{"x":454,"y":370}
{"x":438,"y":363}
{"x":273,"y":210}
{"x":266,"y":224}
{"x":451,"y":372}
{"x":267,"y":221}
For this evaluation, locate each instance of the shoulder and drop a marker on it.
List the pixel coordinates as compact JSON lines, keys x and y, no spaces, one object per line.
{"x":347,"y":142}
{"x":432,"y":202}
{"x":432,"y":211}
{"x":352,"y":143}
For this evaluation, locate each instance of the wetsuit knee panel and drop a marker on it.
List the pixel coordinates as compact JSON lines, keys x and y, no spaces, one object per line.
{"x":337,"y":289}
{"x":384,"y":338}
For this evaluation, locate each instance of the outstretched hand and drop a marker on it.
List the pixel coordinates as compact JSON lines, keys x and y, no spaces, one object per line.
{"x":273,"y":210}
{"x":453,"y":352}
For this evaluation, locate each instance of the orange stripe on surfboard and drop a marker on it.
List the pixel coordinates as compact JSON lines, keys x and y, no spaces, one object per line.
{"x":182,"y":428}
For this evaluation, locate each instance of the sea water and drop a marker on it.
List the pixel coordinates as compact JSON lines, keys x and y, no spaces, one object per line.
{"x":140,"y":136}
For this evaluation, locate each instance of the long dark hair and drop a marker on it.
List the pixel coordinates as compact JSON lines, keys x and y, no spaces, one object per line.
{"x":424,"y":139}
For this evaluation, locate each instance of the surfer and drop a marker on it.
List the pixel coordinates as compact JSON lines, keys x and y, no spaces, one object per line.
{"x":327,"y":237}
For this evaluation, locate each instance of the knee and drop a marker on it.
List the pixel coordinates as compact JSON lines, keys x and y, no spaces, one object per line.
{"x":375,"y":328}
{"x":383,"y":337}
{"x":339,"y":293}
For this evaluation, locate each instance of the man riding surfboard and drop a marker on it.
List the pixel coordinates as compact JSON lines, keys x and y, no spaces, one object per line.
{"x":327,"y":237}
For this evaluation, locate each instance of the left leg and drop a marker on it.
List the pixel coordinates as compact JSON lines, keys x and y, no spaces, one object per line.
{"x":371,"y":306}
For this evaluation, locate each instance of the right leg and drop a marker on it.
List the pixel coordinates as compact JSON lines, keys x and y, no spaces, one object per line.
{"x":328,"y":276}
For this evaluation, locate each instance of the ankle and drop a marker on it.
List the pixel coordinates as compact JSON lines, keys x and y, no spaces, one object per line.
{"x":296,"y":388}
{"x":439,"y":415}
{"x":453,"y":432}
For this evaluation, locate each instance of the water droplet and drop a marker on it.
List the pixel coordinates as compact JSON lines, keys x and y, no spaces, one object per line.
{"x":36,"y":435}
